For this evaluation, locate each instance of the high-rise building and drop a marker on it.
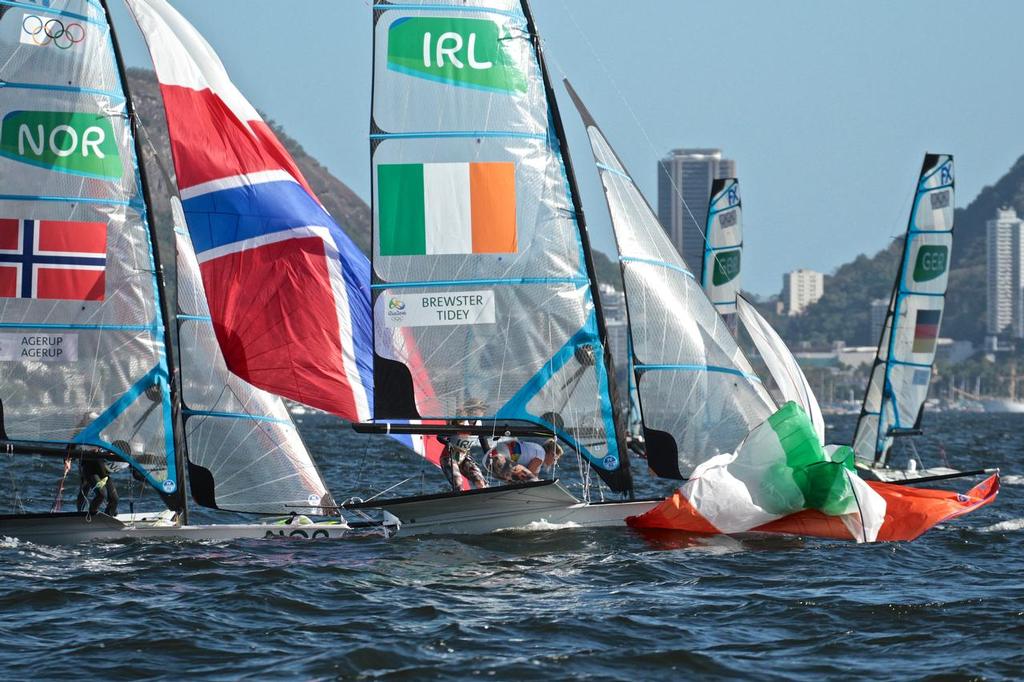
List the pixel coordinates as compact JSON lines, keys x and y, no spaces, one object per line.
{"x":1005,"y":259}
{"x":801,"y":288}
{"x":879,"y":309}
{"x":684,"y":188}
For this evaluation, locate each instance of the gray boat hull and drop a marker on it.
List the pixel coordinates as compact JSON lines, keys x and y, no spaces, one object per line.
{"x":542,"y":505}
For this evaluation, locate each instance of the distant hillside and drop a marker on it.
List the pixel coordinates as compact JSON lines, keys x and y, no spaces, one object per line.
{"x":843,"y":313}
{"x":345,"y":205}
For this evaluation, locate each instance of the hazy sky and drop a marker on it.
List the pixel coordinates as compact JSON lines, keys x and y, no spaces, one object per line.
{"x":827,"y":107}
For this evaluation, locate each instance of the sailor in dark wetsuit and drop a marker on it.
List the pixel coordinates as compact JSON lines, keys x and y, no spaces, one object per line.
{"x":456,"y":461}
{"x":96,"y":486}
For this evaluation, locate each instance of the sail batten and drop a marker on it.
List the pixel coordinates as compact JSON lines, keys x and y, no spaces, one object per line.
{"x":900,"y":376}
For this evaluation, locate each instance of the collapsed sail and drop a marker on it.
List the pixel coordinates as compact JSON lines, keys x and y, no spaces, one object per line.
{"x":783,"y":367}
{"x":894,"y":401}
{"x":82,"y":354}
{"x":723,"y":245}
{"x":698,"y":394}
{"x":244,"y":451}
{"x":483,"y":299}
{"x":285,"y":286}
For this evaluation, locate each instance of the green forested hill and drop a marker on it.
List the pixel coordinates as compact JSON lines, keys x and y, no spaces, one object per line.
{"x":843,"y":313}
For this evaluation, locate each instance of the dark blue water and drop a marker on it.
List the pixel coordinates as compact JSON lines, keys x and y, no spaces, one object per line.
{"x":602,"y":604}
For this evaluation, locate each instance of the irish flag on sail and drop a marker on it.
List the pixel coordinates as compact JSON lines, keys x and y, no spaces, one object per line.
{"x":446,"y":208}
{"x":781,"y":468}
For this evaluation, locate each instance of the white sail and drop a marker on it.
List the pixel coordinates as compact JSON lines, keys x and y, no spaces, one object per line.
{"x":723,"y":245}
{"x":783,"y":367}
{"x":82,"y":355}
{"x":482,"y":292}
{"x":898,"y":387}
{"x":244,"y":453}
{"x":698,"y":394}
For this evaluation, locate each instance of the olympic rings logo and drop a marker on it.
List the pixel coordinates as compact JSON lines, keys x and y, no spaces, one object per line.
{"x":46,"y":31}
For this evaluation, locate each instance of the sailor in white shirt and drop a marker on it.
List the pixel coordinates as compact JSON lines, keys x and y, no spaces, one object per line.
{"x":518,"y":461}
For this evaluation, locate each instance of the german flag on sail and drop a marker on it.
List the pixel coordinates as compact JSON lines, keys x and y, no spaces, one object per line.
{"x":446,"y":208}
{"x":926,"y":330}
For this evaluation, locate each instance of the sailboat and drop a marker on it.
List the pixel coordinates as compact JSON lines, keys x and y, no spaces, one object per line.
{"x":84,"y":282}
{"x":484,"y":290}
{"x":894,"y":401}
{"x":734,"y":481}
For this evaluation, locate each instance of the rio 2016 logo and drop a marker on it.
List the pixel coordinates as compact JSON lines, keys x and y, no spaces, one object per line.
{"x":36,"y":30}
{"x":396,"y":304}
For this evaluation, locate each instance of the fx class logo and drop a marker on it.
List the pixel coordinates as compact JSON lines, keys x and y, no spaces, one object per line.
{"x":43,"y":31}
{"x":931,"y":262}
{"x":470,"y":53}
{"x":64,"y":141}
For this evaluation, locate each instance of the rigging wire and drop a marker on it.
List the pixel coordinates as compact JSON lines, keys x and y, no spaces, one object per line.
{"x":676,"y":190}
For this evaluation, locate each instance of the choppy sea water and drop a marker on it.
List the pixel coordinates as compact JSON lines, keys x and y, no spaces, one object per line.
{"x":546,"y":604}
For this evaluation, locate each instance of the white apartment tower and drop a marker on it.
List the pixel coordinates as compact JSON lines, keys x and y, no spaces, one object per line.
{"x":1005,"y":258}
{"x":801,"y":288}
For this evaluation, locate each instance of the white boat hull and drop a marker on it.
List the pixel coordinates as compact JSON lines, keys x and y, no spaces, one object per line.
{"x":887,"y":475}
{"x":72,"y":528}
{"x":532,"y":506}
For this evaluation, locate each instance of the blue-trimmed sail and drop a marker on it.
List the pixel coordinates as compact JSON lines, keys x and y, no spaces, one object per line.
{"x":482,"y":296}
{"x":898,"y":388}
{"x":723,"y":245}
{"x":81,"y":331}
{"x":244,"y":453}
{"x":698,"y":394}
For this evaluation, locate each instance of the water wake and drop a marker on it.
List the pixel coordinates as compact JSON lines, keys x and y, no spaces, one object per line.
{"x":1004,"y":526}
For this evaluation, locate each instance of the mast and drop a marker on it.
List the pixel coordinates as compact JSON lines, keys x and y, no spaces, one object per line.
{"x":161,"y":287}
{"x":588,"y":256}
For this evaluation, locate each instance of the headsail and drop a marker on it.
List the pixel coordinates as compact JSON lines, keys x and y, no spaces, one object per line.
{"x":286,"y":287}
{"x":82,"y":334}
{"x":723,"y":245}
{"x":480,"y":262}
{"x":894,"y":401}
{"x":244,"y":451}
{"x":785,"y":371}
{"x":698,"y":394}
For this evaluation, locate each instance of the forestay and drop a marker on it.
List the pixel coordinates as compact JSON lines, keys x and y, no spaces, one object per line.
{"x":482,"y":293}
{"x":81,"y":331}
{"x":723,"y":245}
{"x":783,"y":367}
{"x":894,"y":401}
{"x":698,"y":394}
{"x":244,"y":453}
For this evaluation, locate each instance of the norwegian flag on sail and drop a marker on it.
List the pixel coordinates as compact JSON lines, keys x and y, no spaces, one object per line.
{"x":288,"y":291}
{"x":52,"y":259}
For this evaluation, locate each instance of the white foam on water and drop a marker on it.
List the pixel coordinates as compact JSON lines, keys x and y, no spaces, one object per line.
{"x":534,"y":526}
{"x":1011,"y":479}
{"x":1004,"y":526}
{"x":7,"y":542}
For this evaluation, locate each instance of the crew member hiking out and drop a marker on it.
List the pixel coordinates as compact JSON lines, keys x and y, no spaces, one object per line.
{"x":456,"y":461}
